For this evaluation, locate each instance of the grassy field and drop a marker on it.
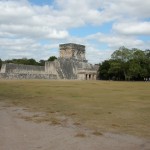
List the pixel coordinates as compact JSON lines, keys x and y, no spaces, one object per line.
{"x":121,"y":107}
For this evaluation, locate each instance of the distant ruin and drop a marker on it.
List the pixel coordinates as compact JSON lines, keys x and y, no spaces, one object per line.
{"x":71,"y":64}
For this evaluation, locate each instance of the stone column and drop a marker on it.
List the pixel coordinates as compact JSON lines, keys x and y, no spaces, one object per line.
{"x":87,"y":76}
{"x":92,"y":76}
{"x":95,"y":77}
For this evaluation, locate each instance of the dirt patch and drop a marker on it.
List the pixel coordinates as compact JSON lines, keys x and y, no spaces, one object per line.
{"x":23,"y":133}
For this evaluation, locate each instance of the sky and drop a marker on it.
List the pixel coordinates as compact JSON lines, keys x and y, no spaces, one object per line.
{"x":35,"y":28}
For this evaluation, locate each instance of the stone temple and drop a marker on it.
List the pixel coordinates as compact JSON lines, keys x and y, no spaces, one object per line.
{"x":71,"y":65}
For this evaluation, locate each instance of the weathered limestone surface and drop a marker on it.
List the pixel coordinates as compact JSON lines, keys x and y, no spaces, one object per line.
{"x":26,"y":76}
{"x":72,"y":50}
{"x":19,"y":68}
{"x":64,"y":68}
{"x":69,"y":68}
{"x":19,"y":71}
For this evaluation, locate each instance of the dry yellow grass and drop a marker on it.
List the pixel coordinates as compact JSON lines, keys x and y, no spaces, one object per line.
{"x":108,"y":106}
{"x":97,"y":133}
{"x":80,"y":134}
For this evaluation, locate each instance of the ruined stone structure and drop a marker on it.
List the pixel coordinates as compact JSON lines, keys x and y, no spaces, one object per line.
{"x":71,"y":64}
{"x":18,"y":71}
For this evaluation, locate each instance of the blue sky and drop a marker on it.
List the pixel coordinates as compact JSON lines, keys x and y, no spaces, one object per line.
{"x":35,"y":28}
{"x":41,"y":2}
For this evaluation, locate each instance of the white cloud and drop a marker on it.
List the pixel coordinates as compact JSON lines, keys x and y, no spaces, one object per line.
{"x":85,"y":12}
{"x":23,"y":19}
{"x":115,"y":41}
{"x":23,"y":25}
{"x":135,"y":9}
{"x":95,"y":55}
{"x":133,"y":28}
{"x":100,"y":11}
{"x":19,"y":48}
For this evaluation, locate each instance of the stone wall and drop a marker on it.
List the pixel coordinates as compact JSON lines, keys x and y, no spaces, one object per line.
{"x":26,"y":76}
{"x":19,"y":71}
{"x":23,"y":69}
{"x":63,"y":68}
{"x":52,"y":67}
{"x":3,"y":68}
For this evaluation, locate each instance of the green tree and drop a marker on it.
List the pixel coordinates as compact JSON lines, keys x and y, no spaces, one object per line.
{"x":41,"y":62}
{"x":122,"y":55}
{"x":141,"y":64}
{"x":115,"y":70}
{"x":138,"y":55}
{"x":126,"y":64}
{"x":52,"y":58}
{"x":32,"y":62}
{"x":134,"y":70}
{"x":103,"y":70}
{"x":23,"y":61}
{"x":0,"y":63}
{"x":147,"y":53}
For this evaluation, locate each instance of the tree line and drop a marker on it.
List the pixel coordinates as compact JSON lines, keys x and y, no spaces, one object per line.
{"x":26,"y":61}
{"x":126,"y":64}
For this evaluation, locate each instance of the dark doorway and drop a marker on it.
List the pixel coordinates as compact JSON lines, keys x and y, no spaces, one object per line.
{"x":89,"y":76}
{"x":86,"y":77}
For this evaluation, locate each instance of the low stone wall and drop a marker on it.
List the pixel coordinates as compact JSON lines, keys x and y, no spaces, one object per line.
{"x":22,"y":69}
{"x":27,"y":76}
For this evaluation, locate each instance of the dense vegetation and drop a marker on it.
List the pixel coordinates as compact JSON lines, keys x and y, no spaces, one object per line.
{"x":126,"y":64}
{"x":52,"y":58}
{"x":0,"y":63}
{"x":30,"y":61}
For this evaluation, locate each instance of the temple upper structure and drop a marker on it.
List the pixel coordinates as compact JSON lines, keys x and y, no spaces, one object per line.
{"x":71,"y":50}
